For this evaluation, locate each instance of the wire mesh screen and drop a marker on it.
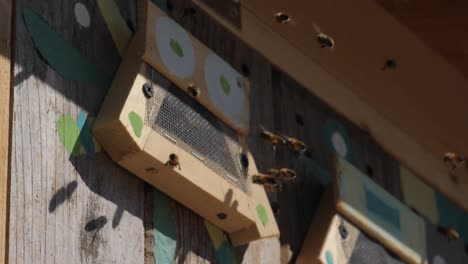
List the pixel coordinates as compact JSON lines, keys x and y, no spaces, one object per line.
{"x":182,"y":120}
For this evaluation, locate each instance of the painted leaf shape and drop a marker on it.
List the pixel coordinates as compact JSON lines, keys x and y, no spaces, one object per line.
{"x":225,"y":85}
{"x":69,"y":134}
{"x":262,"y":214}
{"x":137,"y":123}
{"x":61,"y":55}
{"x":176,"y":48}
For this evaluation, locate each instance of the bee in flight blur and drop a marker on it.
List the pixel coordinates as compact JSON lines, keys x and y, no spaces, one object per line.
{"x":272,"y":181}
{"x":450,"y":233}
{"x":453,"y":160}
{"x":296,"y":145}
{"x":272,"y":138}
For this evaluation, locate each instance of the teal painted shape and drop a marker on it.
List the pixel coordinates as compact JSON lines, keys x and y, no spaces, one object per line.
{"x":162,"y":4}
{"x":382,"y":210}
{"x":137,"y":123}
{"x":334,"y":126}
{"x":69,"y":134}
{"x":316,"y":180}
{"x":463,"y":228}
{"x":450,"y":215}
{"x":164,"y":229}
{"x":61,"y":55}
{"x":329,"y":257}
{"x":85,"y":133}
{"x":312,"y":168}
{"x":225,"y":254}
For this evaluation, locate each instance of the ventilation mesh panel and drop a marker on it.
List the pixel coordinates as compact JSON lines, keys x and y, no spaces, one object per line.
{"x":174,"y":114}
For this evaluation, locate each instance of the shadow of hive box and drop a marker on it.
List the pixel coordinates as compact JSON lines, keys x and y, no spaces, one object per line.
{"x":382,"y":229}
{"x":189,"y":145}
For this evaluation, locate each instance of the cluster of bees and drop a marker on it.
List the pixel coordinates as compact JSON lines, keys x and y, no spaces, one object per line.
{"x":273,"y":179}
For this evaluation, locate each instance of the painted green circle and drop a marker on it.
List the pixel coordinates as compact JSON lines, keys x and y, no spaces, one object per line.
{"x":329,"y":257}
{"x":176,"y":48}
{"x":225,"y":85}
{"x":262,"y":214}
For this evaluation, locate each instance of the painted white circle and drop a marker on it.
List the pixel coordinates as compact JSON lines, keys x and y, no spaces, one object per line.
{"x":175,"y":48}
{"x":438,"y":259}
{"x":82,"y":15}
{"x":225,"y":89}
{"x":339,"y":144}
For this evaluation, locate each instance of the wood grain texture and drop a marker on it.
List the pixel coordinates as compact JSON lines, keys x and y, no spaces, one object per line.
{"x":67,"y":209}
{"x":439,"y":23}
{"x":5,"y":128}
{"x":85,"y":209}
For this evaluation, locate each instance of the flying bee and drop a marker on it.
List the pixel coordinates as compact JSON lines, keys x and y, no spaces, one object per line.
{"x":453,"y":160}
{"x":296,"y":145}
{"x":269,"y":182}
{"x":286,"y":174}
{"x":274,"y":139}
{"x":173,"y":161}
{"x":283,"y":174}
{"x":325,"y":41}
{"x":450,"y":233}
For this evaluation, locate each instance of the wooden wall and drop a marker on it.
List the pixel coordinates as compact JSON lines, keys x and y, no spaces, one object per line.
{"x":71,"y":204}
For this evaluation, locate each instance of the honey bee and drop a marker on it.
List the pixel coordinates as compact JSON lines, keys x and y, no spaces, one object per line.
{"x":269,"y":182}
{"x":325,"y":41}
{"x":283,"y":174}
{"x":193,"y":90}
{"x":451,"y":234}
{"x":296,"y":145}
{"x":173,"y":161}
{"x":274,"y":139}
{"x":453,"y":160}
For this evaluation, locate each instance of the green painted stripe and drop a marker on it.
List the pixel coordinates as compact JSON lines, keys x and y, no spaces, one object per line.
{"x":165,"y":242}
{"x":116,"y":24}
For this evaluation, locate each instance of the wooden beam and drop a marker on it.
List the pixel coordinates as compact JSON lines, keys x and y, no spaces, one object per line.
{"x":5,"y":107}
{"x":340,"y":84}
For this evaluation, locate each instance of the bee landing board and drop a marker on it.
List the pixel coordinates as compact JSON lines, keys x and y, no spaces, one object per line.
{"x":163,"y":135}
{"x":375,"y":224}
{"x":188,"y":63}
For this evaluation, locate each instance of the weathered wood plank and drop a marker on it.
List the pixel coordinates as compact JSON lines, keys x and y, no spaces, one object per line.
{"x":67,"y":208}
{"x":6,"y":13}
{"x":84,"y":209}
